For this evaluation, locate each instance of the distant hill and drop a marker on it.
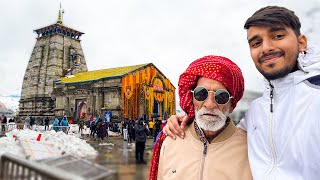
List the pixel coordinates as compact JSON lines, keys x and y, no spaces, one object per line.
{"x":10,"y":102}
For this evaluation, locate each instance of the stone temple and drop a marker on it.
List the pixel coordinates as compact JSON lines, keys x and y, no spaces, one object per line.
{"x":57,"y":83}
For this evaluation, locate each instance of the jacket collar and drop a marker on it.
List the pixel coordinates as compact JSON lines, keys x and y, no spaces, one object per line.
{"x":222,"y":136}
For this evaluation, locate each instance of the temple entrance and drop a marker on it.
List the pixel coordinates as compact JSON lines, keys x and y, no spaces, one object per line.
{"x":156,"y":107}
{"x":81,"y":109}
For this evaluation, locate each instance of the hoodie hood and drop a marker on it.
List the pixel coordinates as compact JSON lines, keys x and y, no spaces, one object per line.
{"x":309,"y":63}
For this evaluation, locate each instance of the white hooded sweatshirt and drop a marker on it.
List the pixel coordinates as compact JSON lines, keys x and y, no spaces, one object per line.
{"x":284,"y":138}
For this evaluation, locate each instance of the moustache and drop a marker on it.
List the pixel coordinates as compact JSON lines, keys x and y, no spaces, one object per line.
{"x":214,"y":112}
{"x":273,"y":53}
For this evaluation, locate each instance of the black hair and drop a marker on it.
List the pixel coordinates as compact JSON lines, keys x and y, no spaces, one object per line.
{"x":273,"y":16}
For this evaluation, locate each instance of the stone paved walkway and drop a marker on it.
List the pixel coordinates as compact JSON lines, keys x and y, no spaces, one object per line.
{"x":117,"y":154}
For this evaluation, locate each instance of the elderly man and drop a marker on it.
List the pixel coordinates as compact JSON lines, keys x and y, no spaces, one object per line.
{"x":213,"y":147}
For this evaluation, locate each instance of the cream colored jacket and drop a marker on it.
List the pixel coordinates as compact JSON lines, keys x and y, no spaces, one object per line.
{"x":225,"y":158}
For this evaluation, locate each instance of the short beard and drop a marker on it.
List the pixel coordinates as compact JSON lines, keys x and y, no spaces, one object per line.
{"x":211,"y":123}
{"x":281,"y":73}
{"x":276,"y":75}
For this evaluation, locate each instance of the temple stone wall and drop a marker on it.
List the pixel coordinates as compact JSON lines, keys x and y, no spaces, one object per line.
{"x":49,"y":61}
{"x":99,"y":97}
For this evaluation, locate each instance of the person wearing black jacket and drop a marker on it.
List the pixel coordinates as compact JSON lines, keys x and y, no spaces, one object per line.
{"x":46,"y":123}
{"x":4,"y":123}
{"x":141,"y":133}
{"x":131,"y":131}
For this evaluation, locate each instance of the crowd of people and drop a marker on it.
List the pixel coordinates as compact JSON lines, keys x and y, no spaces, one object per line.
{"x":98,"y":128}
{"x":139,"y":131}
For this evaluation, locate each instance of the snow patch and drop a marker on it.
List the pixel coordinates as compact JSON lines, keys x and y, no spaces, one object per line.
{"x":65,"y":143}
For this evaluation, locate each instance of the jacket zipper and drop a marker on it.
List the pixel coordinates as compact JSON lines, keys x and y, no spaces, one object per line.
{"x":271,"y":133}
{"x":205,"y":147}
{"x":271,"y":97}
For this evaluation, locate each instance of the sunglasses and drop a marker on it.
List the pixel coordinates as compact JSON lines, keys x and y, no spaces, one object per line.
{"x":221,"y":96}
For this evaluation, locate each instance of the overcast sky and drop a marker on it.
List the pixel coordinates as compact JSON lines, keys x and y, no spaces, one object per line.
{"x":168,"y":33}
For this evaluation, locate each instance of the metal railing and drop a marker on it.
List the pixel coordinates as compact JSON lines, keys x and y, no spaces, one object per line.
{"x":59,"y":128}
{"x":12,"y":167}
{"x":11,"y":126}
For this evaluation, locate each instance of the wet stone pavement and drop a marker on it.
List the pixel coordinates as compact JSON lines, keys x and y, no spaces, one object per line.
{"x":119,"y":155}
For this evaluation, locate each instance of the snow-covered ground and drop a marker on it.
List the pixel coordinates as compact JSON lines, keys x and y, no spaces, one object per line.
{"x":69,"y":144}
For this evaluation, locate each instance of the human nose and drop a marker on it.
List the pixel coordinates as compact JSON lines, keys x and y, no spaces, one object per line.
{"x":210,"y":103}
{"x":267,"y":46}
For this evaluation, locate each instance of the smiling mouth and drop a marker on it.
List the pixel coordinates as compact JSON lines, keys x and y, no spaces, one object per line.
{"x":270,"y":57}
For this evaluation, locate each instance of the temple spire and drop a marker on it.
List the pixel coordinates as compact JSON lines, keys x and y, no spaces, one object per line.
{"x":60,"y":15}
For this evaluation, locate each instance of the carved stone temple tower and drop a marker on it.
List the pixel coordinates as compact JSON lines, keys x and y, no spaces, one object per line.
{"x":57,"y":53}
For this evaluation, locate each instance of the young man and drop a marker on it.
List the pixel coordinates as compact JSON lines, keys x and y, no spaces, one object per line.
{"x":283,"y":125}
{"x":209,"y":90}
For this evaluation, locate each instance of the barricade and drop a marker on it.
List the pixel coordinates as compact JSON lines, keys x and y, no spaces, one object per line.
{"x":12,"y":167}
{"x":59,"y":168}
{"x":11,"y":126}
{"x":4,"y":128}
{"x":60,"y":128}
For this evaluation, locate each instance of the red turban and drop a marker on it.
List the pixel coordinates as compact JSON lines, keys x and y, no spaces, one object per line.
{"x":217,"y":68}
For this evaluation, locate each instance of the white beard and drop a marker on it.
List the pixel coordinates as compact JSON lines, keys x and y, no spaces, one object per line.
{"x":211,"y":123}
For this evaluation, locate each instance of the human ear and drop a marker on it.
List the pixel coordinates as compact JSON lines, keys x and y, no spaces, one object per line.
{"x":302,"y":39}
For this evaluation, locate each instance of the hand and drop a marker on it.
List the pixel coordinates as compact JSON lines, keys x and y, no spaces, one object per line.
{"x":172,"y":127}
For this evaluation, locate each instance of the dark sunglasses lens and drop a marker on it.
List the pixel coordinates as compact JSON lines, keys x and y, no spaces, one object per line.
{"x":222,"y":97}
{"x":200,"y":94}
